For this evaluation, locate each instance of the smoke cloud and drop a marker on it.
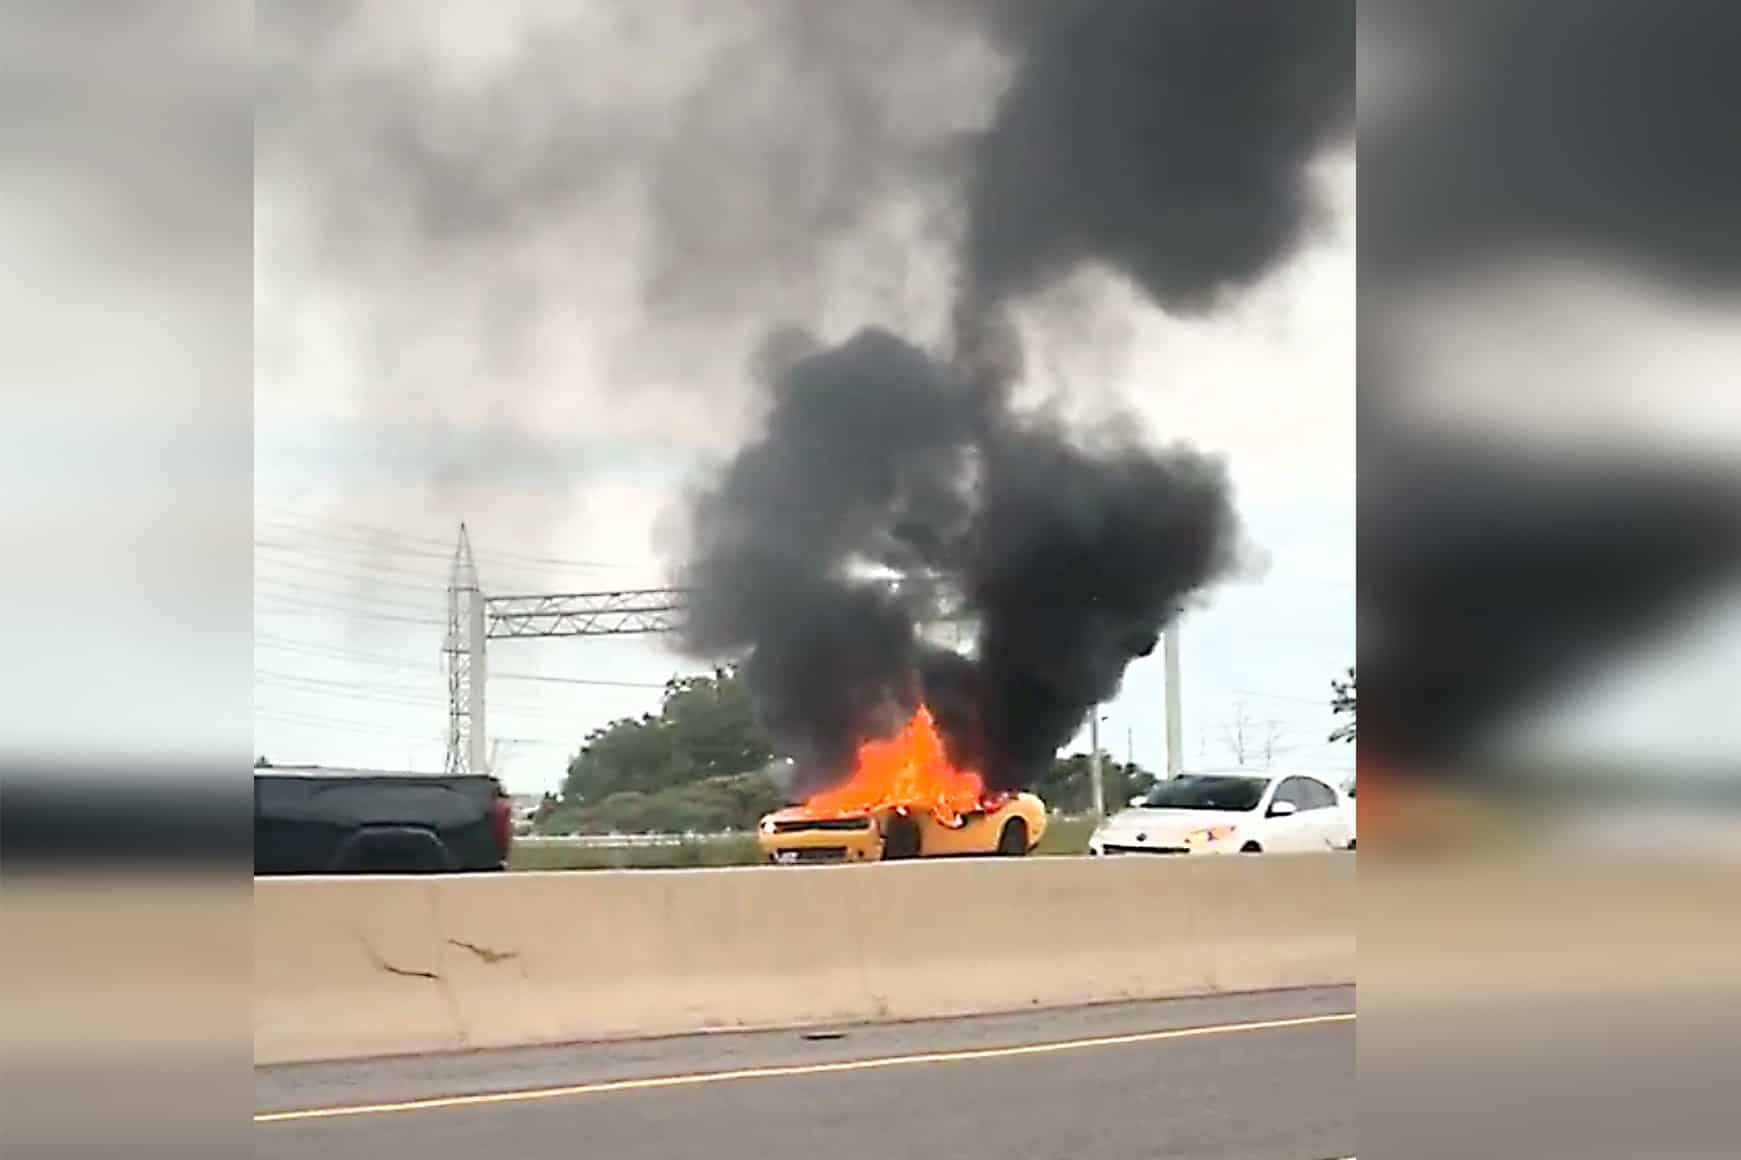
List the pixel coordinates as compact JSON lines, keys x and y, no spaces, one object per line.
{"x":475,"y":172}
{"x":857,"y":466}
{"x":1078,"y":560}
{"x":877,"y":457}
{"x":1170,"y":142}
{"x":679,"y":174}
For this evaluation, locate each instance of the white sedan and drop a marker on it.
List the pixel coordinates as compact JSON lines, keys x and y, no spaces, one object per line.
{"x":1230,"y":813}
{"x":1348,"y":808}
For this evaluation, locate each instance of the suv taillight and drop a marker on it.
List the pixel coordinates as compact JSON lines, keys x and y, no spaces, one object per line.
{"x":502,"y":821}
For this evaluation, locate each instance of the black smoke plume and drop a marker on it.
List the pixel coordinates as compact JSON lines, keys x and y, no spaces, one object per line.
{"x":878,"y":458}
{"x":1169,"y":141}
{"x":857,"y":466}
{"x":1078,"y":560}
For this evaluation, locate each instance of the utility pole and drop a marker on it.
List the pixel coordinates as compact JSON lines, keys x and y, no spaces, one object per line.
{"x":1099,"y":788}
{"x":1175,"y":723}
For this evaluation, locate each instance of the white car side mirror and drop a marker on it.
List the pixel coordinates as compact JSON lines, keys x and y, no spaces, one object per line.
{"x":1283,"y":809}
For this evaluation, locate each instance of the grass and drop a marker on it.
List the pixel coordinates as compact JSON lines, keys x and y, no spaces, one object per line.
{"x":1064,"y":835}
{"x":721,"y":850}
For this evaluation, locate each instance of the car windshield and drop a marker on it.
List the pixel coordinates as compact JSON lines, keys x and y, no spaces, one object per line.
{"x":1206,"y":792}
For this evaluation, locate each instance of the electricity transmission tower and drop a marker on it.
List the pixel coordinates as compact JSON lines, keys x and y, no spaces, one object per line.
{"x":473,"y":618}
{"x":466,"y":665}
{"x":585,"y":613}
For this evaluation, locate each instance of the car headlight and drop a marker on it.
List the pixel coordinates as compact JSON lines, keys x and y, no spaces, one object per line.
{"x":767,"y":825}
{"x":1209,"y":834}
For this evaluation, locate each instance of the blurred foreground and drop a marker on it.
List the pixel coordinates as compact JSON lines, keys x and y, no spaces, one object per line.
{"x":1550,"y":550}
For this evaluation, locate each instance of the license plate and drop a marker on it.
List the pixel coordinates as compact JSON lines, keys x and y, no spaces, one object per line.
{"x":787,"y":855}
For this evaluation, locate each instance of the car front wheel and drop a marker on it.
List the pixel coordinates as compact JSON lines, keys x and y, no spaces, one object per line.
{"x":1013,"y":841}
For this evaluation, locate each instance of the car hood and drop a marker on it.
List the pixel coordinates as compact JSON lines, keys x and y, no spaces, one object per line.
{"x":1164,"y":825}
{"x":799,"y":814}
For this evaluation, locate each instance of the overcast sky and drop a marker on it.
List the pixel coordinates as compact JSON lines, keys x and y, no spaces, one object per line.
{"x":513,"y":265}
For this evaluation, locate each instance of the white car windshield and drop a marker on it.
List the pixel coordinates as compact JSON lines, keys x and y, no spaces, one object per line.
{"x":1207,"y":792}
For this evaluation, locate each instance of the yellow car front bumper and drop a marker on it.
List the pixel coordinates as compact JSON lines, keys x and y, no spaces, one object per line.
{"x":832,"y":844}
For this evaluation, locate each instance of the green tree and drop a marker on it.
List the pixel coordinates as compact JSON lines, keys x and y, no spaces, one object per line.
{"x":735,"y":802}
{"x":628,"y":755}
{"x":714,"y":726}
{"x":1342,"y":704}
{"x":704,"y":729}
{"x":1069,"y":786}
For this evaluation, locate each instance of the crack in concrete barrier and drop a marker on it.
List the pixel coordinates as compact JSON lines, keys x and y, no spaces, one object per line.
{"x":407,"y":973}
{"x":484,"y":953}
{"x":403,"y":972}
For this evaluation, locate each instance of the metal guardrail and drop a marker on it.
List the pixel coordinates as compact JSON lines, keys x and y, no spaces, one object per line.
{"x":623,"y":841}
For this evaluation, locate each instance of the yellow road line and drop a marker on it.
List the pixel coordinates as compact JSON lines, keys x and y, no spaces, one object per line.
{"x":780,"y":1072}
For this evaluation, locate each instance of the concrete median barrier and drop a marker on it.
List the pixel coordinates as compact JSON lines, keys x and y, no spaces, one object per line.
{"x":356,"y":967}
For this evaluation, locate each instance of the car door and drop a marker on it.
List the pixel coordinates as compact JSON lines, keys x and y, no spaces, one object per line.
{"x":1288,"y":833}
{"x":1325,"y":826}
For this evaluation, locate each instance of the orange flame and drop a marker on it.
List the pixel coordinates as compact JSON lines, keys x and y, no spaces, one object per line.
{"x":910,"y":771}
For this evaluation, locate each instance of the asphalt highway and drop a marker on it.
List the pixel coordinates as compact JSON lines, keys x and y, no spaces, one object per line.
{"x":1265,"y":1076}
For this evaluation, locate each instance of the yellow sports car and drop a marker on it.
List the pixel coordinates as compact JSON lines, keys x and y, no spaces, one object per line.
{"x":1010,"y":827}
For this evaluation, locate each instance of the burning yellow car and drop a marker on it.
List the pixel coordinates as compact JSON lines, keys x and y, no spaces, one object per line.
{"x":1008,"y":826}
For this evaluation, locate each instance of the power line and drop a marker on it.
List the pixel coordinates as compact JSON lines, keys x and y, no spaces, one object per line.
{"x":382,"y":560}
{"x":346,"y":550}
{"x":343,"y":531}
{"x":372,"y":542}
{"x":387,"y":578}
{"x":285,"y":644}
{"x":273,"y":677}
{"x":288,"y":607}
{"x":1322,"y":704}
{"x":275,"y":588}
{"x":273,"y":674}
{"x":577,"y":681}
{"x":314,"y":687}
{"x":295,"y":717}
{"x":307,"y":524}
{"x":386,"y":694}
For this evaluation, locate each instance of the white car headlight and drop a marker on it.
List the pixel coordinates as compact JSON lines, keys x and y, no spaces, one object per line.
{"x":767,"y":825}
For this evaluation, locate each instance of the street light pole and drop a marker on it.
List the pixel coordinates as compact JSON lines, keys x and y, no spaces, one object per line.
{"x":1099,"y":789}
{"x":1175,"y":724}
